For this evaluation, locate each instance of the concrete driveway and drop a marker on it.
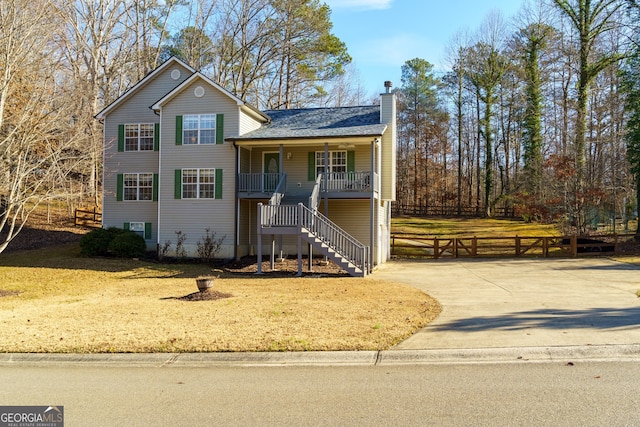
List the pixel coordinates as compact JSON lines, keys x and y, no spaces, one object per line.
{"x":523,"y":302}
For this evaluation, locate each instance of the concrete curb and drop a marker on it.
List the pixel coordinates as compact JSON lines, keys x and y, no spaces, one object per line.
{"x":333,"y":358}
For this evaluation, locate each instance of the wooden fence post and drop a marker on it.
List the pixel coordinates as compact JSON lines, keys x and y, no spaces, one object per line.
{"x":517,"y":245}
{"x":436,"y":248}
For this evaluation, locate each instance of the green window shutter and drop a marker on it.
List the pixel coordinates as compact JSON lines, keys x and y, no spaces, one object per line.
{"x":120,"y":137}
{"x":155,"y":187}
{"x":178,"y":130}
{"x":218,"y":184}
{"x":178,"y":184}
{"x":219,"y":128}
{"x":156,"y":137}
{"x":147,"y":230}
{"x":126,"y":226}
{"x":351,"y":161}
{"x":311,"y":171}
{"x":120,"y":187}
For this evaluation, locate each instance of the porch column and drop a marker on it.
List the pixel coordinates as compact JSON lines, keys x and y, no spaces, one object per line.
{"x":299,"y":225}
{"x":281,"y":158}
{"x":326,"y":179}
{"x":273,"y":250}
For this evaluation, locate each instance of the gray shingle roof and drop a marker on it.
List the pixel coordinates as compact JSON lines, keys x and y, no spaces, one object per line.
{"x":318,"y":123}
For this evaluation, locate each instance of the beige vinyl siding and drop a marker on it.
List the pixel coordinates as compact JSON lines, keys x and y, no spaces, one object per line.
{"x":246,"y":124}
{"x":247,"y":230}
{"x":388,"y":116}
{"x":384,"y":227}
{"x":190,"y":216}
{"x":245,"y":160}
{"x":134,"y":109}
{"x":352,"y":215}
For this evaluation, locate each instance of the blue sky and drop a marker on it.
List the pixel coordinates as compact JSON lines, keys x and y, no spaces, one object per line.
{"x":382,"y":34}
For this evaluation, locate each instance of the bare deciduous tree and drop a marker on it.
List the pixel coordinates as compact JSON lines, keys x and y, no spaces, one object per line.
{"x":36,"y":137}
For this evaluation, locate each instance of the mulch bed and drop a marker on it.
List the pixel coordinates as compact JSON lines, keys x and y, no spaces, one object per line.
{"x":285,"y":268}
{"x":208,"y":295}
{"x":4,"y":293}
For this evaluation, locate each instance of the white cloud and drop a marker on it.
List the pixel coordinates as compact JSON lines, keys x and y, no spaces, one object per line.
{"x":359,"y":4}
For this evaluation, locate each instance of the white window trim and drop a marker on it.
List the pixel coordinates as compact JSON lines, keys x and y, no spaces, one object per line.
{"x":137,"y":187}
{"x":330,"y":167}
{"x":199,"y":129}
{"x":197,"y":183}
{"x":138,"y":224}
{"x":139,"y":137}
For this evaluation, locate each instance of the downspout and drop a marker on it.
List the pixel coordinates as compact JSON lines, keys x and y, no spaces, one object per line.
{"x":104,"y":158}
{"x":326,"y":193}
{"x":158,"y":183}
{"x":378,"y":181}
{"x":237,"y":213}
{"x":372,"y":203}
{"x":280,"y":169}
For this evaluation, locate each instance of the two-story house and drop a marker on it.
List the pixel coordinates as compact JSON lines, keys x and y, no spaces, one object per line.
{"x":182,"y":154}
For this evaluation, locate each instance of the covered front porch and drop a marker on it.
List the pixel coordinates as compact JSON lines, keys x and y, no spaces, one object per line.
{"x":333,"y":185}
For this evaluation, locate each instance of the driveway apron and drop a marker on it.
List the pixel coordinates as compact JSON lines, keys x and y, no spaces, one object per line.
{"x":488,"y":303}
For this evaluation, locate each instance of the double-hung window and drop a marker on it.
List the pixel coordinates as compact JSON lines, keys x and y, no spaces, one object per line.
{"x":199,"y":129}
{"x":198,"y":183}
{"x":138,"y":186}
{"x":139,"y":137}
{"x":337,"y":163}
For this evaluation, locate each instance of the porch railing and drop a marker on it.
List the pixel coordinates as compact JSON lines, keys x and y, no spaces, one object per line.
{"x":347,"y":181}
{"x":321,"y":227}
{"x":314,"y":199}
{"x":336,"y":238}
{"x":278,"y":193}
{"x":258,"y":182}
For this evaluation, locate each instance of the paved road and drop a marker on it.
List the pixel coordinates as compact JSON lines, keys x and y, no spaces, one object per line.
{"x":524,"y":302}
{"x":519,"y":342}
{"x":549,"y":393}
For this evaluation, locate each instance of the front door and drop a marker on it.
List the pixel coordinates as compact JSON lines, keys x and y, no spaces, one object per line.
{"x":271,"y":170}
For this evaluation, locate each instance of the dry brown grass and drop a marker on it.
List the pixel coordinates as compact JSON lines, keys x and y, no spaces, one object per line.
{"x":470,"y":227}
{"x":67,"y":303}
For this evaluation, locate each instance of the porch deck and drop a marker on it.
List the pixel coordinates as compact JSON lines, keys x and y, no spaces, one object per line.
{"x":333,"y":185}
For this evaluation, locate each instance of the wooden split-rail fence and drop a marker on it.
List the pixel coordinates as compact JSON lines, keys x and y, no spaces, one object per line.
{"x":88,"y":218}
{"x":424,"y":246}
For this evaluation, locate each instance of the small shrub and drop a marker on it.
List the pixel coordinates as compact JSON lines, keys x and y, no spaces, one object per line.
{"x":164,"y":249}
{"x":128,"y":245}
{"x":180,"y":250}
{"x":96,"y":242}
{"x":208,"y":247}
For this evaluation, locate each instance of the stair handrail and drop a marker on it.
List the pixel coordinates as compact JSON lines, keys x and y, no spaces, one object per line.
{"x":334,"y":237}
{"x":314,"y":198}
{"x":278,"y":193}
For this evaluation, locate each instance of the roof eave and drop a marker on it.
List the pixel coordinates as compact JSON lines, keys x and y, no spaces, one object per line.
{"x":103,"y":113}
{"x":356,"y":139}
